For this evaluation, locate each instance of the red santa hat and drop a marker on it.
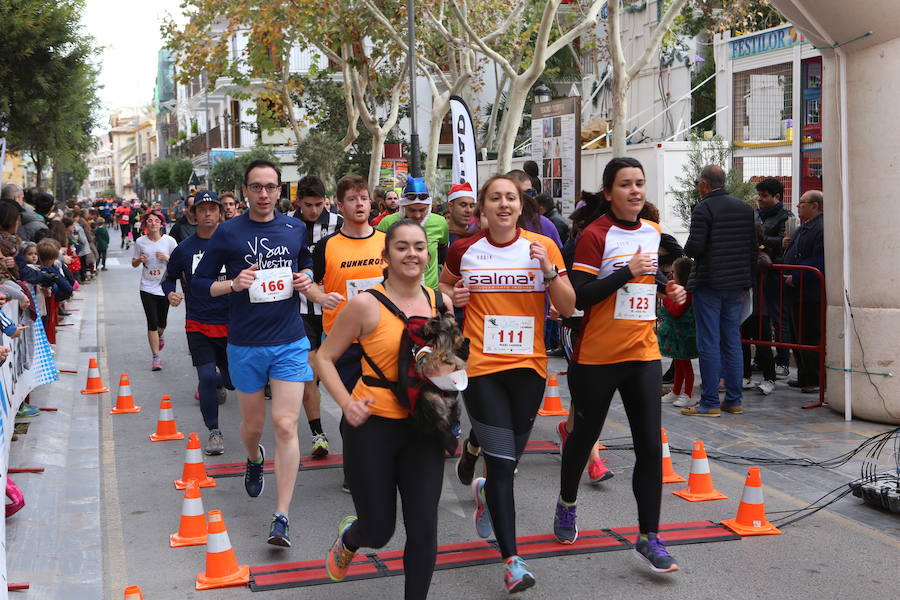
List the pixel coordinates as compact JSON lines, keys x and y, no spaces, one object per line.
{"x":460,"y":190}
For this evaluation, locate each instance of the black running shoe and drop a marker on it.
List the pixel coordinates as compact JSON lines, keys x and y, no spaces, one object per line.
{"x":253,"y":475}
{"x":465,"y":464}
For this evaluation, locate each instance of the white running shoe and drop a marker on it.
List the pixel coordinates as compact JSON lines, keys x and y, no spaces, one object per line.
{"x":749,"y":383}
{"x":684,"y":401}
{"x":669,"y":398}
{"x":766,"y":387}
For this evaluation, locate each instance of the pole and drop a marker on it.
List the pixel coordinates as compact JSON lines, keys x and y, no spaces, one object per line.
{"x":206,"y":111}
{"x":415,"y":169}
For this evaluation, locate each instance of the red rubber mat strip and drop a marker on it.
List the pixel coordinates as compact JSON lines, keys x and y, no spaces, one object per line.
{"x":14,"y":587}
{"x":467,"y":554}
{"x":47,"y":408}
{"x":26,"y":470}
{"x":336,"y":461}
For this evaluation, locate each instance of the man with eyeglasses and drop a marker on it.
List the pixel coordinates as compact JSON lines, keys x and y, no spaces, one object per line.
{"x":416,"y":205}
{"x":267,"y":267}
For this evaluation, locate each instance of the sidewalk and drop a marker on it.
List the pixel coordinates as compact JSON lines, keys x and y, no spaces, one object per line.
{"x":55,"y":541}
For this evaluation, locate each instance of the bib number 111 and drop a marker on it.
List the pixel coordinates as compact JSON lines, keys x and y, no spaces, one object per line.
{"x":510,"y":336}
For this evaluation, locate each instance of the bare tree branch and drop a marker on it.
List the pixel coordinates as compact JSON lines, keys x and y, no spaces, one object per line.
{"x":473,"y":37}
{"x":656,"y":37}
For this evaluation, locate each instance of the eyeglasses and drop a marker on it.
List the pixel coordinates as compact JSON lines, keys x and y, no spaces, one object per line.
{"x":258,"y":187}
{"x":531,"y":192}
{"x":417,"y":196}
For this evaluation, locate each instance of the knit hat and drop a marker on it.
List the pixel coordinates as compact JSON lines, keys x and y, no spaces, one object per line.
{"x":460,"y":190}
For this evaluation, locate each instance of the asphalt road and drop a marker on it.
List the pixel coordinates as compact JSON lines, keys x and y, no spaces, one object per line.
{"x":848,"y":551}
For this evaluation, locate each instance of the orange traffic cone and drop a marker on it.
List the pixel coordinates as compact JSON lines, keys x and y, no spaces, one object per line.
{"x":133,"y":592}
{"x":222,"y":569}
{"x":124,"y":400}
{"x":194,"y":468}
{"x":669,"y":474}
{"x":552,"y":401}
{"x":700,"y":485}
{"x":94,"y":384}
{"x":166,"y":429}
{"x":751,"y":514}
{"x":192,"y":526}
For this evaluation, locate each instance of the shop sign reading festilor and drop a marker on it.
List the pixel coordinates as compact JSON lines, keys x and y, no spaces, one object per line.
{"x":765,"y":41}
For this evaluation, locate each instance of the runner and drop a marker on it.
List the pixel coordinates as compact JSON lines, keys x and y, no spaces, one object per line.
{"x":502,"y":276}
{"x":383,"y":450}
{"x":266,"y":264}
{"x":319,"y":224}
{"x":346,"y":263}
{"x":391,"y":206}
{"x":615,"y":275}
{"x":123,"y":214}
{"x":206,"y":318}
{"x":416,"y":205}
{"x":152,"y":252}
{"x":229,"y":204}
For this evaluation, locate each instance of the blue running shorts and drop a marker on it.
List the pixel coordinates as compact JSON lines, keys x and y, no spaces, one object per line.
{"x":251,"y":367}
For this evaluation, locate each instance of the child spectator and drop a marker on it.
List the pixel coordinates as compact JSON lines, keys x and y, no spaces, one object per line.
{"x":48,"y":254}
{"x":678,"y":338}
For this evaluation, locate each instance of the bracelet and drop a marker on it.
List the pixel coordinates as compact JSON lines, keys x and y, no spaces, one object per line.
{"x":231,"y":285}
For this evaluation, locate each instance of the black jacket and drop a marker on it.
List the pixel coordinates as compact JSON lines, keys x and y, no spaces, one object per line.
{"x":722,"y":243}
{"x":807,"y":248}
{"x":182,"y":230}
{"x":774,"y":226}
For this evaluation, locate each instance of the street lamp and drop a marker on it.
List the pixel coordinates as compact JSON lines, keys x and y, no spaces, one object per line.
{"x":542,"y":93}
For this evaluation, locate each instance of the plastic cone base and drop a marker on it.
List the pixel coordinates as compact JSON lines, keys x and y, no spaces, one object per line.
{"x":673,"y":477}
{"x":765,"y":528}
{"x":553,"y":413}
{"x":122,"y":411}
{"x":166,"y":438}
{"x":209,"y":482}
{"x":239,"y":577}
{"x":101,"y":390}
{"x":177,"y":541}
{"x":692,"y":497}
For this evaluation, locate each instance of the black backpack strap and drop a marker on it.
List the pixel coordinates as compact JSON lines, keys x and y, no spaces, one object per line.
{"x":388,"y":304}
{"x":439,"y":302}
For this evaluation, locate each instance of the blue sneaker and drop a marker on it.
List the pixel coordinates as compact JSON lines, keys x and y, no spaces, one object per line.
{"x":516,"y":576}
{"x":653,"y":550}
{"x":483,"y":525}
{"x":278,"y":532}
{"x":564,"y":528}
{"x":253,"y":475}
{"x":27,"y":411}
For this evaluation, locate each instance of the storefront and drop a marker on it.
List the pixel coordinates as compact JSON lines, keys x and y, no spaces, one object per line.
{"x":771,"y":82}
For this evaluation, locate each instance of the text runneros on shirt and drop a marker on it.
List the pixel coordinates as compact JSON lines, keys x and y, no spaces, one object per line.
{"x":504,"y":319}
{"x":348,"y":266}
{"x":153,"y":270}
{"x":272,"y":316}
{"x":620,"y":327}
{"x":200,"y":309}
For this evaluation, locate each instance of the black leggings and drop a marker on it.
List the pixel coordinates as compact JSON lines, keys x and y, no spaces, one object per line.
{"x":638,"y":382}
{"x":502,"y":407}
{"x":382,"y":456}
{"x":156,"y":309}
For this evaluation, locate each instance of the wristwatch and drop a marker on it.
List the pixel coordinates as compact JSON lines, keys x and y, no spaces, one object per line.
{"x":552,"y":275}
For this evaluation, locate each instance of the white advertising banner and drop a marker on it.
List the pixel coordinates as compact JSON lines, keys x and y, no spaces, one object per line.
{"x":465,"y":156}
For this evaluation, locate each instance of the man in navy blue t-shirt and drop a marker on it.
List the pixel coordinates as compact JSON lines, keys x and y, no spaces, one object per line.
{"x":267,"y":267}
{"x":206,"y":318}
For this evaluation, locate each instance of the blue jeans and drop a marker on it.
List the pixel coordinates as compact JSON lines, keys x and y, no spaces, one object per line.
{"x":718,"y":316}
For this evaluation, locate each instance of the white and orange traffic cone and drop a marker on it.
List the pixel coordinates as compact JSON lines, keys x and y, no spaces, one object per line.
{"x":133,"y":592}
{"x":124,"y":399}
{"x":552,"y":402}
{"x":194,"y":467}
{"x":222,"y":569}
{"x":94,"y":383}
{"x":669,"y":475}
{"x":700,"y":484}
{"x":192,"y":525}
{"x":751,"y":514}
{"x":166,"y":429}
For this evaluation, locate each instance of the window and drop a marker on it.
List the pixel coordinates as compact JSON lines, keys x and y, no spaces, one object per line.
{"x":761,"y":104}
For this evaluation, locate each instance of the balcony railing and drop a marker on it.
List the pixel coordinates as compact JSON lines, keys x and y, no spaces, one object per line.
{"x":197,"y":144}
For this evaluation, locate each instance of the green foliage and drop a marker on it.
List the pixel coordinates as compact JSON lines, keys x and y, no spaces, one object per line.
{"x":180,"y":170}
{"x":48,"y":99}
{"x":701,"y":17}
{"x":228,"y":174}
{"x":702,"y":153}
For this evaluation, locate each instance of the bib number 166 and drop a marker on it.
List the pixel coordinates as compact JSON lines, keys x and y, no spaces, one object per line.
{"x":272,"y":286}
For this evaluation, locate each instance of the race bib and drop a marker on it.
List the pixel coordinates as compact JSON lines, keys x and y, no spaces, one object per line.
{"x":154,"y":274}
{"x":272,"y":285}
{"x":508,"y":335}
{"x":355,"y":286}
{"x":636,"y":302}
